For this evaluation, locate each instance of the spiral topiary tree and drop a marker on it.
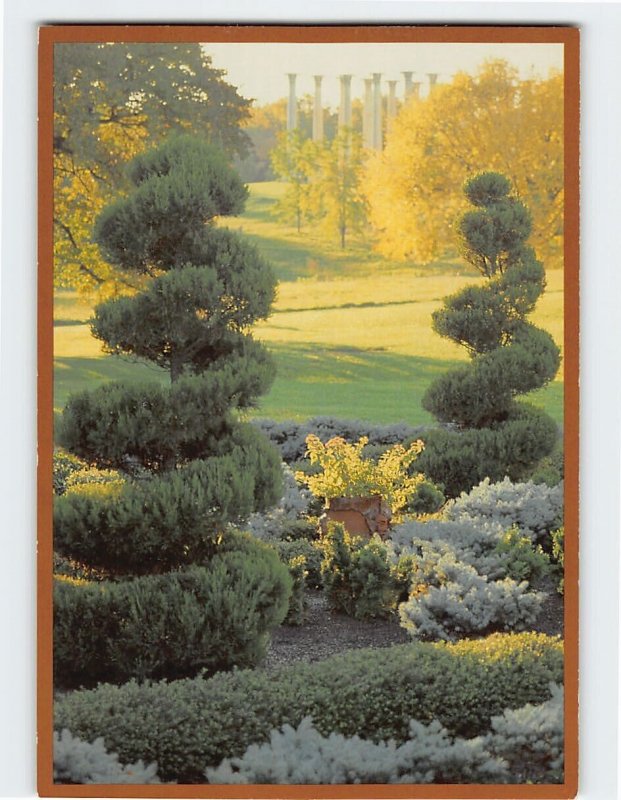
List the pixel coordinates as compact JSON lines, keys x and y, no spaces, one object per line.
{"x":203,"y":289}
{"x":182,"y":592}
{"x":491,"y":434}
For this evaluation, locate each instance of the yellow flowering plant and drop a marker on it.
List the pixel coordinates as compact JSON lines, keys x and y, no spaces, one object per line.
{"x":346,"y":473}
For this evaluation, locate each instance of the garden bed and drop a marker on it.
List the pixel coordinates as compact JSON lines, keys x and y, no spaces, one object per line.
{"x":326,"y":633}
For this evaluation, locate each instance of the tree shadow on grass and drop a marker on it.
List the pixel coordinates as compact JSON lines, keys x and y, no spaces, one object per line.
{"x":72,"y":375}
{"x":374,"y":385}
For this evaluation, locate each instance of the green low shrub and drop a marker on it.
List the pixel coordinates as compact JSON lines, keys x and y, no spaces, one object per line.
{"x":64,"y":464}
{"x":170,"y":625}
{"x":294,"y":530}
{"x":558,"y":556}
{"x":551,"y":469}
{"x":188,"y":725}
{"x":310,"y":552}
{"x":356,"y":574}
{"x":427,"y":498}
{"x":522,"y":560}
{"x":296,"y":612}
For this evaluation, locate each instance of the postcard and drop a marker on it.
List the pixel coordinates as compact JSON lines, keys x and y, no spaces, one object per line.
{"x":308,"y":411}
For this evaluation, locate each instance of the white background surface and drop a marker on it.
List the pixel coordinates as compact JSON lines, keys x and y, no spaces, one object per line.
{"x":600,"y":336}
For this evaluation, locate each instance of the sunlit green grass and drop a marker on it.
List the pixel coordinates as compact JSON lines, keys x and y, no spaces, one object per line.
{"x":351,"y":332}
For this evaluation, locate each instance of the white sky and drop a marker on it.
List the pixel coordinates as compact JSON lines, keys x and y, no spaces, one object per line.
{"x":259,"y":69}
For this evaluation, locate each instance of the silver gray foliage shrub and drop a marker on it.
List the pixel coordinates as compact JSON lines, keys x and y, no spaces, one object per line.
{"x":471,"y":541}
{"x":290,"y":436}
{"x":459,"y":582}
{"x":303,"y":756}
{"x":462,"y":601}
{"x":294,"y":502}
{"x":536,"y":509}
{"x":531,"y":740}
{"x":524,"y":745}
{"x":77,"y":761}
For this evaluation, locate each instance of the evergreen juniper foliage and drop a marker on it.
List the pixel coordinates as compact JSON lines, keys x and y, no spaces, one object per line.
{"x":495,"y":435}
{"x":191,"y":465}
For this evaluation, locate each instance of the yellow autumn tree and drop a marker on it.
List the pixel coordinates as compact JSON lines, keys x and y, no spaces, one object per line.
{"x":111,"y":101}
{"x":487,"y":121}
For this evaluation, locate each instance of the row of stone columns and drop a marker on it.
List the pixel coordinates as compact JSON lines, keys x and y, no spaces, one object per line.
{"x":372,"y":135}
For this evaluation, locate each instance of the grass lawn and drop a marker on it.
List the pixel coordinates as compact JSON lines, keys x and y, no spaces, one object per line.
{"x":351,"y":331}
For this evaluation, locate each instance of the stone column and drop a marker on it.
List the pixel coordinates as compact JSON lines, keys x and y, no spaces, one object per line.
{"x":317,"y":111}
{"x":367,"y":118}
{"x":408,"y":85}
{"x":345,"y":106}
{"x":392,"y":99}
{"x":433,"y":79}
{"x":377,"y":111}
{"x":292,"y":106}
{"x":416,"y":90}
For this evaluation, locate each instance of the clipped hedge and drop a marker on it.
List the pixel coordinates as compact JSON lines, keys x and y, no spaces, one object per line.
{"x":189,"y":725}
{"x":172,"y":625}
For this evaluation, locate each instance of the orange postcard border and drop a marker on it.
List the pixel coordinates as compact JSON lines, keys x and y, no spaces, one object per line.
{"x":50,"y":35}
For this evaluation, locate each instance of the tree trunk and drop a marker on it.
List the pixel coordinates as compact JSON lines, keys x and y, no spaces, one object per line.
{"x":176,"y":367}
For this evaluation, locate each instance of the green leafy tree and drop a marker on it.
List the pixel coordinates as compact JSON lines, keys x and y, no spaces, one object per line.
{"x":337,"y":198}
{"x":494,"y":435}
{"x":268,"y":123}
{"x":111,"y":101}
{"x":204,"y":288}
{"x":294,"y":160}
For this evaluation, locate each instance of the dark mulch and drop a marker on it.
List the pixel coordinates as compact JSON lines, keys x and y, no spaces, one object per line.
{"x":550,"y":619}
{"x":326,"y":633}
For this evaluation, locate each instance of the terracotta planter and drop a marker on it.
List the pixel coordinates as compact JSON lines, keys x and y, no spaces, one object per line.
{"x":361,"y":516}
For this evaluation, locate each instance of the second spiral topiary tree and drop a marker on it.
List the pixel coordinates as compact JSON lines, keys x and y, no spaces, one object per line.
{"x":491,"y":434}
